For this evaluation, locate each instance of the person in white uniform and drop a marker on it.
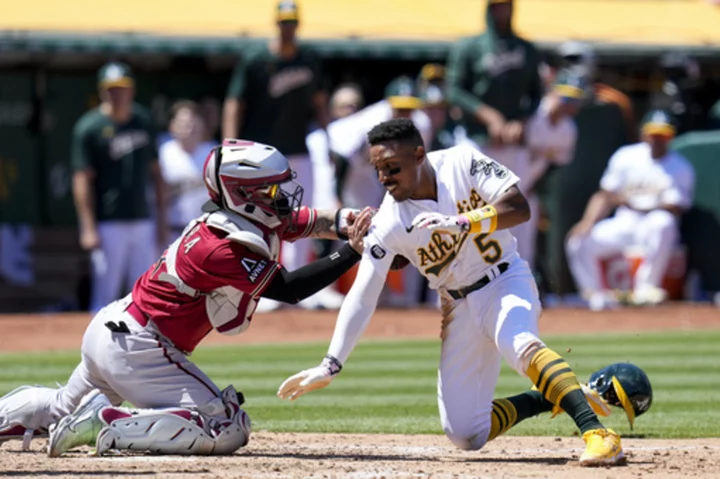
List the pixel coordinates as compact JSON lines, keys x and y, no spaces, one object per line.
{"x":181,"y":161}
{"x":550,"y":137}
{"x":448,"y":213}
{"x":651,"y":186}
{"x":345,"y":100}
{"x":357,"y":180}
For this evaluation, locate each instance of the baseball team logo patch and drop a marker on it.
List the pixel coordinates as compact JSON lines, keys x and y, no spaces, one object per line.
{"x":377,"y":252}
{"x":487,"y":167}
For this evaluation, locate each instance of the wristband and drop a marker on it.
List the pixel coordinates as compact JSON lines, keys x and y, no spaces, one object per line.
{"x":332,"y":364}
{"x":483,"y":220}
{"x":341,"y":225}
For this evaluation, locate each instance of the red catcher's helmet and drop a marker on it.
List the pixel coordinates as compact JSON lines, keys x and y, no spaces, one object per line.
{"x":253,"y":180}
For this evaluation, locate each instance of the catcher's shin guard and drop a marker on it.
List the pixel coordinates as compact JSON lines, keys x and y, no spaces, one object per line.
{"x":161,"y":431}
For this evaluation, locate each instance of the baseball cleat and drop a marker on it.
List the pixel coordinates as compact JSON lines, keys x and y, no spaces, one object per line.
{"x":80,"y":428}
{"x":597,"y":403}
{"x":602,"y":448}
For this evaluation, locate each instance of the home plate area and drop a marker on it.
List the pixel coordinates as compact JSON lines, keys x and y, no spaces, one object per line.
{"x":329,"y":456}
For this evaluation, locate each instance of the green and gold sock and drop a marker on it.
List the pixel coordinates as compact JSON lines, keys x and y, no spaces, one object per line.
{"x":554,"y":379}
{"x":507,"y":412}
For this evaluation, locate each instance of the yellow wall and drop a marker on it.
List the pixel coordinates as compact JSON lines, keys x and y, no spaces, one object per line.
{"x":688,"y":22}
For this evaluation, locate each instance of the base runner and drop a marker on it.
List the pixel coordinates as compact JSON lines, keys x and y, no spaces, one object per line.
{"x":448,"y":212}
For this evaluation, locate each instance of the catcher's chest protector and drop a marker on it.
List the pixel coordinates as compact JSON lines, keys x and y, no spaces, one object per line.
{"x":223,"y":305}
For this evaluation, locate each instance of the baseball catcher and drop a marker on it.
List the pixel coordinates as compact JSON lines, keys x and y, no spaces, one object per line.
{"x":136,"y":349}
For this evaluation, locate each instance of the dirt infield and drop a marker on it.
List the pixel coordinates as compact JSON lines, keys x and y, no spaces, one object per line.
{"x":330,"y":456}
{"x":341,"y":456}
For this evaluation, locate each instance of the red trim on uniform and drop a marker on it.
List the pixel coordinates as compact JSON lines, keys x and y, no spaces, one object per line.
{"x":137,"y":314}
{"x":15,"y":431}
{"x":110,"y":414}
{"x":262,"y":286}
{"x":312,"y":212}
{"x":181,"y":368}
{"x":240,"y":318}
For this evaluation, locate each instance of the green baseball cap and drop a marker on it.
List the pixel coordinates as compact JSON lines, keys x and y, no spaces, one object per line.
{"x":287,"y":11}
{"x":658,"y":122}
{"x":115,"y":74}
{"x":401,"y":95}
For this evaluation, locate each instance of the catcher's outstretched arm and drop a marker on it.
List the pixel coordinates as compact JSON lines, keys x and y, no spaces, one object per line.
{"x":294,"y":286}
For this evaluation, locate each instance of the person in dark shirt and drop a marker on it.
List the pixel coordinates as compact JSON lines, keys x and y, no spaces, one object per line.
{"x":113,"y":157}
{"x":275,"y":94}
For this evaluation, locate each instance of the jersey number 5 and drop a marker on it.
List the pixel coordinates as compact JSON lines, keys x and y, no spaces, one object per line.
{"x":489,"y":249}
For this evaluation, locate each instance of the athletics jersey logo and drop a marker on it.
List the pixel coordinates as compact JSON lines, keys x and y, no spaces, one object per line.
{"x":289,"y":79}
{"x":487,"y":167}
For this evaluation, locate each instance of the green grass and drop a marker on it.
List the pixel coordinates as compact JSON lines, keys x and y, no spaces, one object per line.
{"x":389,"y":386}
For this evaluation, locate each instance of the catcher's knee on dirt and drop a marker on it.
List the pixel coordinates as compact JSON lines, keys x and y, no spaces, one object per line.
{"x":175,"y":430}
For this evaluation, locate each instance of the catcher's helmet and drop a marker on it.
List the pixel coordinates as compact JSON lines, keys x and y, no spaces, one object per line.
{"x":249,"y":179}
{"x":624,"y":385}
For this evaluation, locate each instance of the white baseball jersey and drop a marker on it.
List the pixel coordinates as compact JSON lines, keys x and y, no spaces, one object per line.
{"x":466,"y":180}
{"x":182,"y":172}
{"x":349,"y":139}
{"x":549,"y":144}
{"x":323,"y":171}
{"x":646,"y":183}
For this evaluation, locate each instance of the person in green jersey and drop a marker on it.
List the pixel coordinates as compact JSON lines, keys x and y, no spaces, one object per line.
{"x":113,"y":158}
{"x":494,"y":78}
{"x":275,"y":97}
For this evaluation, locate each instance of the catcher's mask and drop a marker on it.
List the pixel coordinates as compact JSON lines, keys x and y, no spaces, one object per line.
{"x":253,"y":180}
{"x":624,"y":385}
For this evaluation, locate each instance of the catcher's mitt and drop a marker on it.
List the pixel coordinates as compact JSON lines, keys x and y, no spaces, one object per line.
{"x":399,"y":262}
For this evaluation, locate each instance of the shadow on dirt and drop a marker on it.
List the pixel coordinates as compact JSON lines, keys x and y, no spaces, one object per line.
{"x":554,"y":461}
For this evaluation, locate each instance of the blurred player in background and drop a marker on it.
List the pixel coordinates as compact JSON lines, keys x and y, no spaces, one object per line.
{"x":357,"y":184}
{"x":113,"y":153}
{"x":550,"y":136}
{"x":275,"y":94}
{"x":651,"y":186}
{"x":494,"y":78}
{"x":346,"y":100}
{"x":181,"y":162}
{"x":580,"y":57}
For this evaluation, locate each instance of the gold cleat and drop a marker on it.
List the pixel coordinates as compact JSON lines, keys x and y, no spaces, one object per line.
{"x":602,"y":448}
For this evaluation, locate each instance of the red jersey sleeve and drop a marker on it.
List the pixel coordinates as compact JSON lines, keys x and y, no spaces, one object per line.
{"x":241,"y":268}
{"x":302,"y":227}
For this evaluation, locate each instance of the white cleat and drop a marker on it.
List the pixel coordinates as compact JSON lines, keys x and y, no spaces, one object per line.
{"x":23,"y":414}
{"x":81,"y":428}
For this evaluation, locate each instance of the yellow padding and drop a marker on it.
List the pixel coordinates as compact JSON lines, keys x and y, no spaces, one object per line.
{"x":503,"y":417}
{"x":552,"y":375}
